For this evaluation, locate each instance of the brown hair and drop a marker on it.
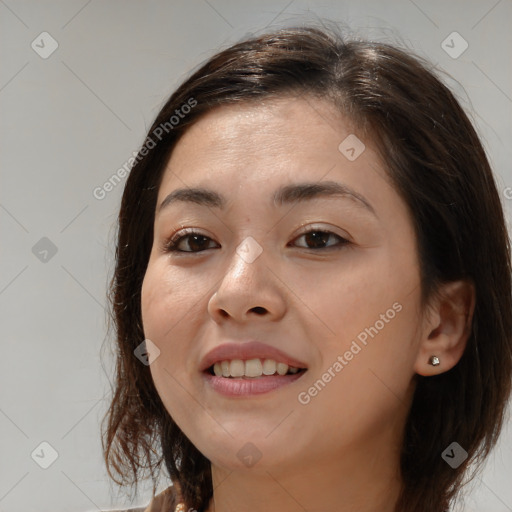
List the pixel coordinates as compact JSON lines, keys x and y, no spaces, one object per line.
{"x":437,"y":164}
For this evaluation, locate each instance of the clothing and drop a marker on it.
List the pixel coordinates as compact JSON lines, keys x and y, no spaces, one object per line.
{"x":166,"y":501}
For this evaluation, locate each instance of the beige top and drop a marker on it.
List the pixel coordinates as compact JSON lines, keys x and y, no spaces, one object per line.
{"x":164,"y":501}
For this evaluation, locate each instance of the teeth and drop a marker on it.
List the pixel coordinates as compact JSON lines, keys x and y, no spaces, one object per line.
{"x":282,"y":369}
{"x":251,"y":368}
{"x":226,"y":372}
{"x":237,"y":368}
{"x":269,"y":367}
{"x":218,"y":370}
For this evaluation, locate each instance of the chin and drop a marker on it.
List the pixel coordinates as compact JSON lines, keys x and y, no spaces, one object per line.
{"x":247,"y":451}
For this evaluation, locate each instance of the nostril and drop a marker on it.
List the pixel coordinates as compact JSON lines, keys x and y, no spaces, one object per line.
{"x":259,"y":310}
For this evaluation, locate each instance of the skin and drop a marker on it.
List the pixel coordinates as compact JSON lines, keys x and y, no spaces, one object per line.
{"x":340,"y":451}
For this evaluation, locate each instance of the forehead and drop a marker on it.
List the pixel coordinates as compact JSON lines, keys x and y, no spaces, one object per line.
{"x":291,"y":137}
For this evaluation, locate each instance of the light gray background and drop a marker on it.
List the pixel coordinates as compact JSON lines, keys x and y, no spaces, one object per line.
{"x":69,"y":121}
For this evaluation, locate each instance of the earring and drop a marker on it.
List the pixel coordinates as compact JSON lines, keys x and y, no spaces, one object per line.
{"x":434,"y":361}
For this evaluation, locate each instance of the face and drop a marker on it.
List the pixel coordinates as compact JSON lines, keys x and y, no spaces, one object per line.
{"x":297,"y":250}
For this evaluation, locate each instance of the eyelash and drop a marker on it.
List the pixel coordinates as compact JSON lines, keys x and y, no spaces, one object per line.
{"x":171,"y":245}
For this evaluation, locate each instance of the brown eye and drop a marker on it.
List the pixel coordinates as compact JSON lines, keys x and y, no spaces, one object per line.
{"x":190,"y":242}
{"x":317,"y":239}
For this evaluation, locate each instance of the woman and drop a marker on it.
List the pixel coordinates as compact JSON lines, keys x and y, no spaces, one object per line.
{"x":313,"y":253}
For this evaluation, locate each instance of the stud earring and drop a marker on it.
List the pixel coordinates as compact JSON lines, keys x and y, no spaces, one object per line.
{"x":434,"y":361}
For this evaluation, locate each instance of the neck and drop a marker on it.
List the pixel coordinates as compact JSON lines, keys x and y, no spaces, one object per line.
{"x":365,"y":480}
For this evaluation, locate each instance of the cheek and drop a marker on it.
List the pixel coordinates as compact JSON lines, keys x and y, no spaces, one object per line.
{"x":343,"y":302}
{"x":171,"y":311}
{"x":369,"y":389}
{"x":165,"y":301}
{"x":164,"y":311}
{"x":369,"y":317}
{"x":153,"y":299}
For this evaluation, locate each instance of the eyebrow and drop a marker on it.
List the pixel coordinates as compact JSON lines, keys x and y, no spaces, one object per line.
{"x":287,"y":194}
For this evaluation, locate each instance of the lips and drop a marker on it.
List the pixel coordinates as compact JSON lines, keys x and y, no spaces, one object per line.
{"x":247,"y":384}
{"x":246,"y":351}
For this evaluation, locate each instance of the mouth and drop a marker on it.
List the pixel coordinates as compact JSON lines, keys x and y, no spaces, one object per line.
{"x":252,"y":369}
{"x":249,"y":368}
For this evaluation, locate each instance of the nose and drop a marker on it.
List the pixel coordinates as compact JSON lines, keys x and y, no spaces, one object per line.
{"x":250,"y":289}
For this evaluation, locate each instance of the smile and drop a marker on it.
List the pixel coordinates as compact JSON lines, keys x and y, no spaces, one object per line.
{"x":252,"y":368}
{"x":249,"y":368}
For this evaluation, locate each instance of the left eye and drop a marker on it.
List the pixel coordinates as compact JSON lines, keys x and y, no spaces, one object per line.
{"x":319,"y":238}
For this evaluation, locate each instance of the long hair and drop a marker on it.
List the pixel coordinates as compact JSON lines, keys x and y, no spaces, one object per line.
{"x":436,"y":163}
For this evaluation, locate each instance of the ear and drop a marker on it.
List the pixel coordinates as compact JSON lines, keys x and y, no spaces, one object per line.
{"x":446,"y":327}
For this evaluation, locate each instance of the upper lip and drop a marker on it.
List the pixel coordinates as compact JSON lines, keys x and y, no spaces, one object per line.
{"x":248,"y":350}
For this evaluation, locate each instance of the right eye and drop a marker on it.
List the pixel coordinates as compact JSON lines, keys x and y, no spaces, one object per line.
{"x":195,"y":241}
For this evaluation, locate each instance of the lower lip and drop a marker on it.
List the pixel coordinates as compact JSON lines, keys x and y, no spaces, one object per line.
{"x":249,"y":386}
